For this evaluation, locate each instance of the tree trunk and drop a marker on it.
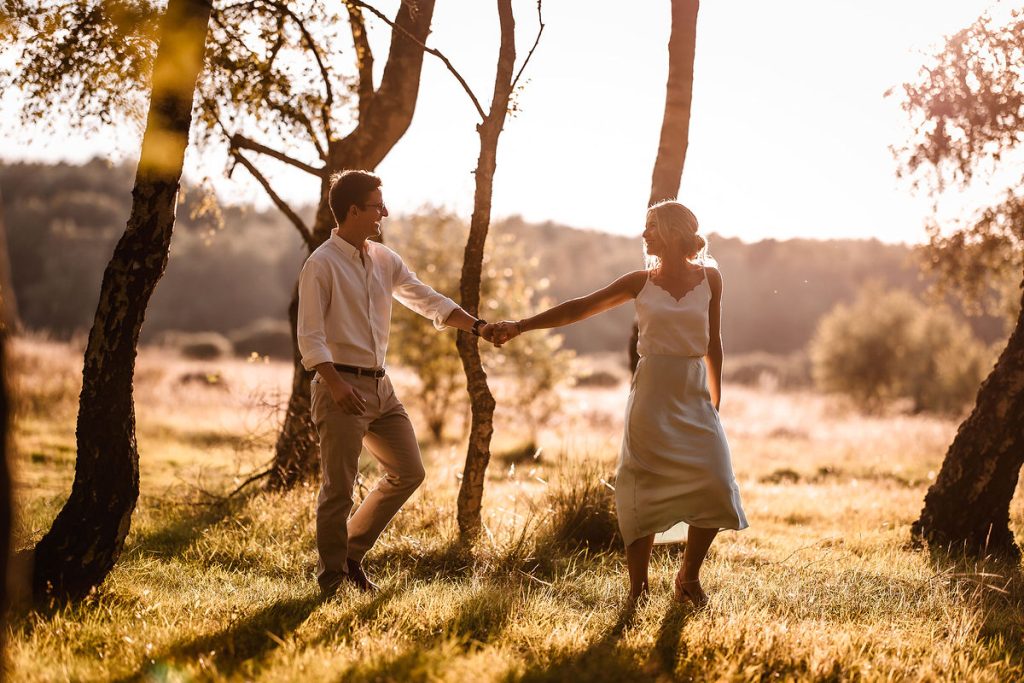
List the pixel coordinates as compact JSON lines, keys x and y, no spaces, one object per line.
{"x":382,"y":123}
{"x":5,"y":494}
{"x":8,"y":301}
{"x":968,"y":506}
{"x":478,"y":453}
{"x":675,"y":124}
{"x":88,"y":534}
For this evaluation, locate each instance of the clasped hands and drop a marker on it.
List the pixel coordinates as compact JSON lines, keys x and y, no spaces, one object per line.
{"x":501,"y":332}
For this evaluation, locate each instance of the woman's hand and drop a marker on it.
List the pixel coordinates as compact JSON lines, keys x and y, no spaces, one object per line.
{"x":501,"y":332}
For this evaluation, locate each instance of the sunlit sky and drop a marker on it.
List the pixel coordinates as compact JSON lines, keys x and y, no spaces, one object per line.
{"x":789,"y":137}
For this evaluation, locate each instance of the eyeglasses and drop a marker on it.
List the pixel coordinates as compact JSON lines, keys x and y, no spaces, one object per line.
{"x":380,"y":207}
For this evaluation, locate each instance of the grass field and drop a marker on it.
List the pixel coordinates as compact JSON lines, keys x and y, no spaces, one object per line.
{"x":822,"y":586}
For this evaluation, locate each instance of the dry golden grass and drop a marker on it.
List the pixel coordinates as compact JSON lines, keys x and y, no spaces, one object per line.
{"x":822,"y":586}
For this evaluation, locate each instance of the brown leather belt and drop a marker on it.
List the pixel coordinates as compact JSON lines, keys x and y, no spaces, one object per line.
{"x":361,"y":372}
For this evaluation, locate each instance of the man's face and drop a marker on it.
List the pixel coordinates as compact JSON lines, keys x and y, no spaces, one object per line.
{"x":370,"y":214}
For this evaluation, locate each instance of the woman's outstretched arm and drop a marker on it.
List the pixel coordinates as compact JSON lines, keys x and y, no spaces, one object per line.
{"x":619,"y":292}
{"x":715,"y":352}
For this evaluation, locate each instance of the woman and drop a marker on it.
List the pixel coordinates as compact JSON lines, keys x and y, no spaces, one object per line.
{"x":675,"y":464}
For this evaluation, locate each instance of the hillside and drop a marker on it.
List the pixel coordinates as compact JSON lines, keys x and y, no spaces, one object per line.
{"x":62,"y":221}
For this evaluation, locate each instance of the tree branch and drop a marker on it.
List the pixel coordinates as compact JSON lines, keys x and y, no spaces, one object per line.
{"x":364,"y":57}
{"x":238,"y":141}
{"x":429,"y":50}
{"x":540,"y":20}
{"x":325,"y":112}
{"x":308,"y":125}
{"x":307,"y":235}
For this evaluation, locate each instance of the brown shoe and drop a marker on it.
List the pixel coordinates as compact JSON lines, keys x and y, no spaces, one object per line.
{"x":329,"y":584}
{"x":357,"y":576}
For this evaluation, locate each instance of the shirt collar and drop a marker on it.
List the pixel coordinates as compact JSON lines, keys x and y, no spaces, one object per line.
{"x":347,"y":249}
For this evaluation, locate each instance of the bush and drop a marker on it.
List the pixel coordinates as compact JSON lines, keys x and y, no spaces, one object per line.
{"x":791,"y":371}
{"x":535,"y":361}
{"x":888,"y":345}
{"x":582,"y":513}
{"x":197,"y":345}
{"x":266,"y":336}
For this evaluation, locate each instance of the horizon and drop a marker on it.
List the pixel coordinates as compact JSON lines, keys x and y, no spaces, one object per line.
{"x":494,"y":219}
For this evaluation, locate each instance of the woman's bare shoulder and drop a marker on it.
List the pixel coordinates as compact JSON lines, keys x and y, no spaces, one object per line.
{"x":633,"y":282}
{"x":714,"y":276}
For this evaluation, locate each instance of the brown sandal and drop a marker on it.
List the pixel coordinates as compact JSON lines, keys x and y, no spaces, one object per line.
{"x":698,"y":598}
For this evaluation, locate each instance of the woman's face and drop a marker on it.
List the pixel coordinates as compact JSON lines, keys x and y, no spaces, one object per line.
{"x":652,"y":240}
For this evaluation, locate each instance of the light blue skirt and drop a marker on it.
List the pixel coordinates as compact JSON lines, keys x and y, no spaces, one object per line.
{"x":675,"y":466}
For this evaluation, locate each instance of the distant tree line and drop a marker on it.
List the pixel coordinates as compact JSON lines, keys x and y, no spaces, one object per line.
{"x":228,"y":270}
{"x":234,"y":267}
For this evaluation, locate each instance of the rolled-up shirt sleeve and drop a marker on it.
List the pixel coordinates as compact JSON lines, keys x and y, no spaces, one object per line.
{"x":418,"y":297}
{"x":314,"y":296}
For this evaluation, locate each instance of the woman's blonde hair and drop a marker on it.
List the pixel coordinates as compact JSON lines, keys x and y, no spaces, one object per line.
{"x":675,"y":222}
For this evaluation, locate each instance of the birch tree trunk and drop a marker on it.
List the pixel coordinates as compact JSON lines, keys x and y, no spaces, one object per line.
{"x":482,"y":404}
{"x":89,"y":532}
{"x":968,"y":506}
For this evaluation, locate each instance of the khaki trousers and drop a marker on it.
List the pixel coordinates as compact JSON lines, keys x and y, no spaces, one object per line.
{"x":387,"y":433}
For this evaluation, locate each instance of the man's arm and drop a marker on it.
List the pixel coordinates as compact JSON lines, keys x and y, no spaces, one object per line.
{"x":420,"y":298}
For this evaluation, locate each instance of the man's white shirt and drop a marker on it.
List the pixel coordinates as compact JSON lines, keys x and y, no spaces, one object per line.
{"x":345,"y":303}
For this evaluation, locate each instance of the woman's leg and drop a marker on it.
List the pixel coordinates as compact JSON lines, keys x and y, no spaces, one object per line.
{"x":698,"y":541}
{"x":638,"y":559}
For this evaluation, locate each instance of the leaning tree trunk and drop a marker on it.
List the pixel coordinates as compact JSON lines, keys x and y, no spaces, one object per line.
{"x":382,"y":123}
{"x":968,"y":506}
{"x":478,"y":452}
{"x":675,"y":124}
{"x":89,"y":532}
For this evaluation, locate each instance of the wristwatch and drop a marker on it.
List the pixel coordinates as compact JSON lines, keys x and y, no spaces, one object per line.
{"x":477,"y":325}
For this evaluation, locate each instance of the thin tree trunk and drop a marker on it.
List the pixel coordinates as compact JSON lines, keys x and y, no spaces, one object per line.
{"x":478,"y":453}
{"x":675,"y":124}
{"x":968,"y":506}
{"x":5,"y":495}
{"x":87,"y":537}
{"x":382,"y":123}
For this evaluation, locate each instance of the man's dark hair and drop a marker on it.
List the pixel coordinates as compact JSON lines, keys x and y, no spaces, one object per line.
{"x":348,"y":189}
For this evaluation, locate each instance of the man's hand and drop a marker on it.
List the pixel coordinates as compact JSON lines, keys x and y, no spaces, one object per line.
{"x":346,"y":396}
{"x":500,"y":333}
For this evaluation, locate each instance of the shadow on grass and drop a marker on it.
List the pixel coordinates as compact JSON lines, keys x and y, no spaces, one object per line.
{"x":666,"y":647}
{"x":996,"y":586}
{"x":604,"y":659}
{"x":171,"y":539}
{"x":479,"y":620}
{"x":361,"y":613}
{"x":252,"y":637}
{"x":449,"y":560}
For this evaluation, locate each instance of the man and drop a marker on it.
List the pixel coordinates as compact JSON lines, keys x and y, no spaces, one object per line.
{"x":345,"y":292}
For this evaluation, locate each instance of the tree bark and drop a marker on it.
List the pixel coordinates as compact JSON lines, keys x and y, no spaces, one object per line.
{"x":675,"y":124}
{"x":89,"y":532}
{"x":8,"y":301}
{"x":968,"y":506}
{"x":5,"y":494}
{"x":482,"y":404}
{"x":382,"y":123}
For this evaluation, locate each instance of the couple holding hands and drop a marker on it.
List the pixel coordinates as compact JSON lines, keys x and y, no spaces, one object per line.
{"x":674,"y":466}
